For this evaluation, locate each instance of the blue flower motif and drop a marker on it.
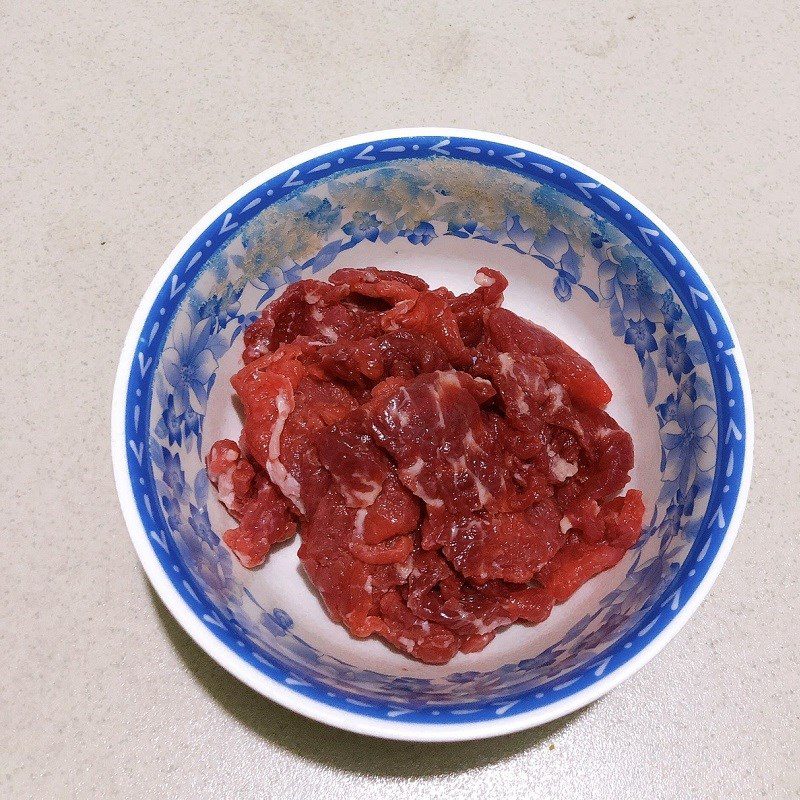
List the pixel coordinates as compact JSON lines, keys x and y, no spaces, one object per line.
{"x":562,"y":288}
{"x":674,"y":356}
{"x":220,"y":308}
{"x":363,"y":226}
{"x":545,"y":659}
{"x":612,"y":625}
{"x":552,"y":246}
{"x":687,"y":441}
{"x":672,"y":516}
{"x":617,"y":283}
{"x":462,"y":677}
{"x":640,"y":336}
{"x":670,"y":524}
{"x":523,"y":238}
{"x":597,"y":239}
{"x":201,"y":485}
{"x":405,"y":685}
{"x":324,"y":216}
{"x":301,"y":650}
{"x":191,"y":421}
{"x":461,"y":230}
{"x":172,"y":511}
{"x":646,"y":576}
{"x":423,"y":233}
{"x":188,"y":366}
{"x":670,"y":310}
{"x":201,"y":525}
{"x":169,"y":425}
{"x":278,"y":622}
{"x":688,"y":387}
{"x":325,"y":257}
{"x":213,"y":569}
{"x":239,"y":252}
{"x":668,"y":410}
{"x":476,"y":681}
{"x":245,"y":320}
{"x":260,"y":263}
{"x":650,"y":301}
{"x":678,"y":514}
{"x":172,"y":474}
{"x":602,"y":232}
{"x":555,"y":252}
{"x":282,"y":618}
{"x":687,"y":499}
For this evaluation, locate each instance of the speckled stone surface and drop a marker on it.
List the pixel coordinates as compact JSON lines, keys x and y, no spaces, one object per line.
{"x":122,"y":125}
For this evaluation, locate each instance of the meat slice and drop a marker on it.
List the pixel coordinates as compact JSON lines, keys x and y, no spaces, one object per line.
{"x":363,"y":278}
{"x":268,"y":399}
{"x":511,"y":333}
{"x":540,"y":433}
{"x":381,"y":533}
{"x":356,"y":464}
{"x":524,"y":461}
{"x":530,"y":397}
{"x":575,"y":564}
{"x":344,"y":583}
{"x":391,"y":287}
{"x":231,"y":474}
{"x":360,"y":362}
{"x":350,"y":586}
{"x":582,"y":450}
{"x":438,"y":594}
{"x":510,"y":546}
{"x":283,"y":403}
{"x":618,"y":521}
{"x":471,"y":310}
{"x":306,"y":308}
{"x":429,"y":315}
{"x":265,"y":521}
{"x":395,"y":512}
{"x":317,"y":405}
{"x":623,"y":519}
{"x":434,"y":431}
{"x":408,"y":354}
{"x":364,"y":594}
{"x":424,"y":640}
{"x":365,"y":362}
{"x":605,"y":466}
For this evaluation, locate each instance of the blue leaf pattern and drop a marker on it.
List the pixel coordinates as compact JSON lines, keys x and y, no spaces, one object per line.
{"x":649,"y":379}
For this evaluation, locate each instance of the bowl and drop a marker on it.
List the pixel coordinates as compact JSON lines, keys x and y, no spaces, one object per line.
{"x":584,"y":259}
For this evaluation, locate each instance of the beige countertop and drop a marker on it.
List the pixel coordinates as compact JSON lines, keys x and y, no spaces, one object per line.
{"x":122,"y":125}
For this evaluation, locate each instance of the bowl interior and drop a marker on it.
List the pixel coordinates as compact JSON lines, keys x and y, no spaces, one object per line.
{"x":578,"y":261}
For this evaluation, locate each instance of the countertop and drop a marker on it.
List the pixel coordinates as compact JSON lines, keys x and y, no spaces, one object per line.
{"x":123,"y":123}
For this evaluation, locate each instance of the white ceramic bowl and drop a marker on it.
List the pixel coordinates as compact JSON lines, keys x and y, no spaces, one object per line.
{"x":584,"y":259}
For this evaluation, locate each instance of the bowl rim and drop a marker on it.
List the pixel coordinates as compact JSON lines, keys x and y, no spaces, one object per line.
{"x":353,"y":721}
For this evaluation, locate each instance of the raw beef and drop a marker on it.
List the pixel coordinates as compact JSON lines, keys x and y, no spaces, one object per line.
{"x":448,"y":464}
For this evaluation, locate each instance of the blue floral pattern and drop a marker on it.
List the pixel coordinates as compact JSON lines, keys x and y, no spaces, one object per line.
{"x":189,"y":364}
{"x":423,"y":200}
{"x":362,"y":226}
{"x":687,"y":425}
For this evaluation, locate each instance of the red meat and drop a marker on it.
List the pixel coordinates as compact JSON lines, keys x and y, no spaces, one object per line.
{"x":448,"y":463}
{"x":433,"y":430}
{"x":510,"y":332}
{"x":266,"y":520}
{"x":510,"y":546}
